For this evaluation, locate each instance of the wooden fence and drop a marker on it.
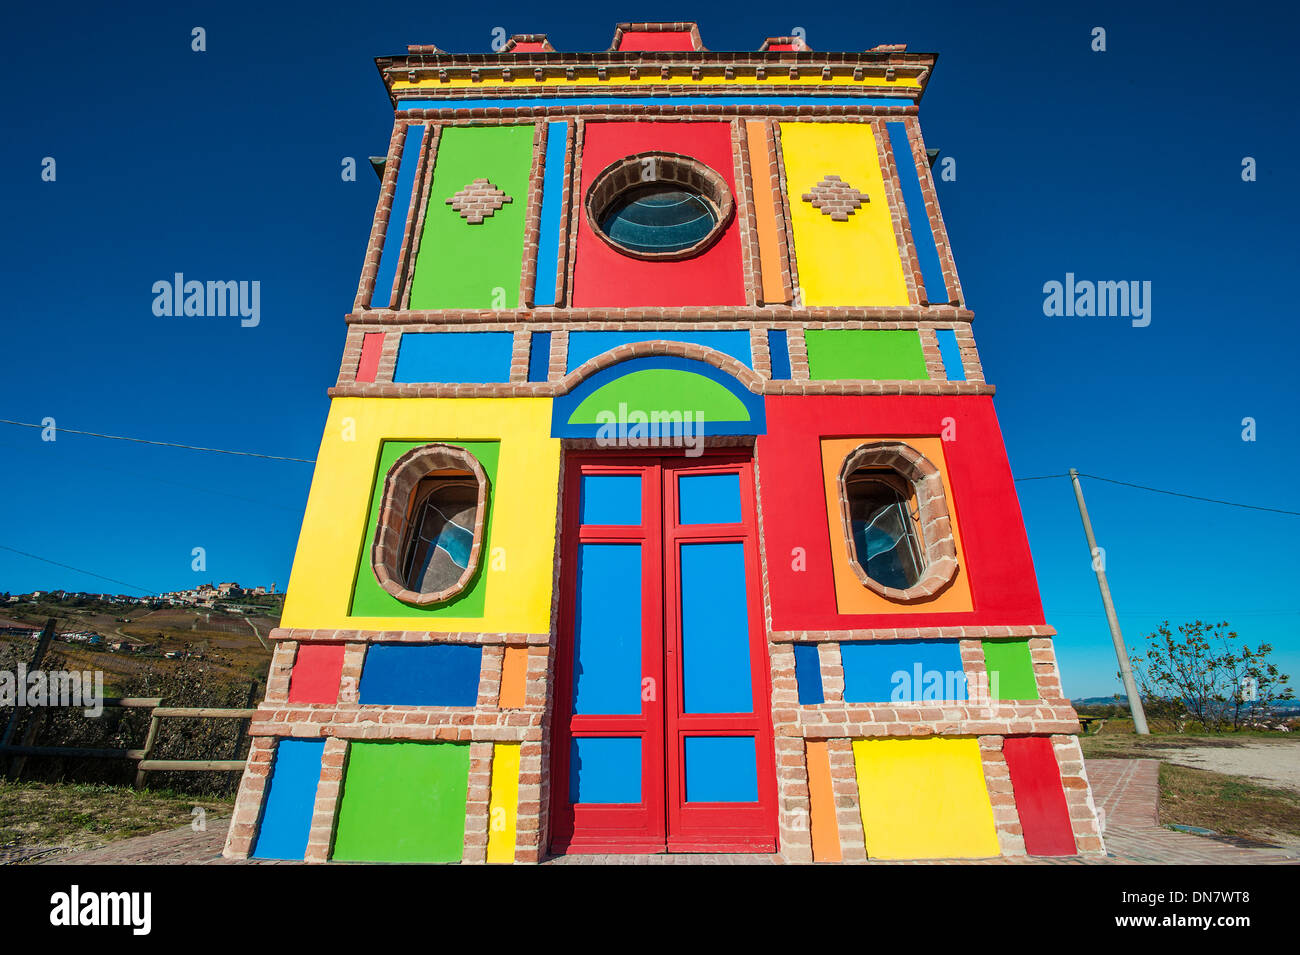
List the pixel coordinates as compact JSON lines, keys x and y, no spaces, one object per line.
{"x":18,"y":754}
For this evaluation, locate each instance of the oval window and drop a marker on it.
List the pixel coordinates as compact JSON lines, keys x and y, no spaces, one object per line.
{"x":431,"y":524}
{"x":896,"y":523}
{"x":659,"y":206}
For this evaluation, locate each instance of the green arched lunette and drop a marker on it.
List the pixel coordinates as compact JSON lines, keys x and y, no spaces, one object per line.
{"x":663,"y":391}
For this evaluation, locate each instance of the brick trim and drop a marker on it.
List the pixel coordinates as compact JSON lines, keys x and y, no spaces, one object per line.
{"x":329,"y":791}
{"x":248,"y":803}
{"x":957,"y":632}
{"x":749,"y":254}
{"x":533,"y":217}
{"x":379,"y":223}
{"x":478,"y":798}
{"x":848,"y":808}
{"x":1002,"y":798}
{"x":898,"y":214}
{"x":933,"y":213}
{"x":360,"y":638}
{"x":419,"y":207}
{"x":1078,"y":794}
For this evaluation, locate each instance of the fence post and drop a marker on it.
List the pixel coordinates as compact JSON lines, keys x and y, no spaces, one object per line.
{"x":149,"y":740}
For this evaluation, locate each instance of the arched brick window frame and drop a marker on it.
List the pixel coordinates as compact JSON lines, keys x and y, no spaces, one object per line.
{"x":395,"y":515}
{"x":660,"y":168}
{"x":939,"y":548}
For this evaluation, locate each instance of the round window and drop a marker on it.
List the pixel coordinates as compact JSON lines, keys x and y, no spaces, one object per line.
{"x":659,"y":206}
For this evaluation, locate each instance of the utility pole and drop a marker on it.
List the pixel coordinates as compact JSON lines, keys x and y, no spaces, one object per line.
{"x":1121,"y":652}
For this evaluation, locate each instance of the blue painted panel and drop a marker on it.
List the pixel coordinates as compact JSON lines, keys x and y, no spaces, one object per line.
{"x":927,"y":253}
{"x":605,"y":769}
{"x":539,"y":356}
{"x":586,"y":345}
{"x":902,"y":671}
{"x":548,"y":236}
{"x":721,"y":769}
{"x":607,"y":632}
{"x":382,"y":296}
{"x":468,"y":357}
{"x":808,"y":674}
{"x":779,"y":346}
{"x":440,"y":674}
{"x":950,"y":351}
{"x":290,"y":798}
{"x":563,"y":406}
{"x":715,"y":629}
{"x":530,"y":102}
{"x":708,"y":499}
{"x":611,"y":499}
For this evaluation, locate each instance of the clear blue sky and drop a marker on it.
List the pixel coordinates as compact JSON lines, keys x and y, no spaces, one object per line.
{"x":225,"y":165}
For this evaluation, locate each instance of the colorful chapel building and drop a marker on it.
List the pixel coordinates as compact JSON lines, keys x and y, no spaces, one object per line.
{"x":662,"y":505}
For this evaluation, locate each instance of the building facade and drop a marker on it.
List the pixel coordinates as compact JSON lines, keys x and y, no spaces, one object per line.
{"x":661,"y":505}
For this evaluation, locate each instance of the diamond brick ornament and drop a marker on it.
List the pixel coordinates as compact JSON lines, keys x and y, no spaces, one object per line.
{"x":478,"y":201}
{"x":835,"y":198}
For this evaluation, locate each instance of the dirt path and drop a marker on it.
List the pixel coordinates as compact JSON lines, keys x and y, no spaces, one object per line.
{"x":1276,"y":764}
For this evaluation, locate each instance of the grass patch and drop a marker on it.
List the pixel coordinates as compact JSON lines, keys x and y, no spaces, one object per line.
{"x":1228,"y":805}
{"x":84,"y":815}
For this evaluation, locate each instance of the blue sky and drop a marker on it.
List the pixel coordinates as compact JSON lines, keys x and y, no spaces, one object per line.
{"x":1122,"y":165}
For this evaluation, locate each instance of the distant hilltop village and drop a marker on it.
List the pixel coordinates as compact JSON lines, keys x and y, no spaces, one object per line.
{"x":204,"y":595}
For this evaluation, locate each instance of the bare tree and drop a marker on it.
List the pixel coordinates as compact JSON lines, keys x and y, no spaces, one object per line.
{"x":1202,"y":674}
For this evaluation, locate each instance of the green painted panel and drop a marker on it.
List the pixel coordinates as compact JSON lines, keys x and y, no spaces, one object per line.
{"x":403,"y":802}
{"x":474,"y":266}
{"x":840,"y":354}
{"x":1011,"y":661}
{"x":662,"y":390}
{"x":371,"y":600}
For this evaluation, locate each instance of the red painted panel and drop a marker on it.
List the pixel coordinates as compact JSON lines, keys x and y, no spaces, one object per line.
{"x":655,"y":40}
{"x":603,"y":276}
{"x":372,"y":346}
{"x":1040,"y":799}
{"x":317,"y":671}
{"x":528,"y":46}
{"x":1000,"y":570}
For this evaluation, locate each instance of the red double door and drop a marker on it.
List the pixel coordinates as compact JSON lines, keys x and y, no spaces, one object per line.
{"x":662,"y":727}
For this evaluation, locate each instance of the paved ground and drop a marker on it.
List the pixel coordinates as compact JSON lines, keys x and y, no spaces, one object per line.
{"x":1125,"y":790}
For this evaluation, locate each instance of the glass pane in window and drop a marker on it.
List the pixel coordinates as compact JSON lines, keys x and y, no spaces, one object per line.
{"x":441,"y":533}
{"x":658,"y":218}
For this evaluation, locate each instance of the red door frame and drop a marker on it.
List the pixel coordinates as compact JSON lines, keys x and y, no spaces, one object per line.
{"x":664,"y":821}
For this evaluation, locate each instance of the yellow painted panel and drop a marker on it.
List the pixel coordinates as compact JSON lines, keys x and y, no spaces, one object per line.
{"x":504,"y":806}
{"x":649,"y":78}
{"x":850,"y":595}
{"x":924,"y":799}
{"x":522,"y":557}
{"x":855,"y":262}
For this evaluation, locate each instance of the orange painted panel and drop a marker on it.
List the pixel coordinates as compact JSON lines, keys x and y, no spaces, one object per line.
{"x":825,"y":829}
{"x":850,"y":595}
{"x":765,"y":214}
{"x":514,"y":672}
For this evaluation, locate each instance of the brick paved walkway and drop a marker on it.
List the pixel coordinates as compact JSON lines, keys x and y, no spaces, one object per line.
{"x":1126,"y":790}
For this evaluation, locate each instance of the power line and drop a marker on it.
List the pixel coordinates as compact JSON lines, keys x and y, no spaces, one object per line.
{"x":1157,"y":490}
{"x":1193,"y":497}
{"x":88,"y":573}
{"x":165,"y":444}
